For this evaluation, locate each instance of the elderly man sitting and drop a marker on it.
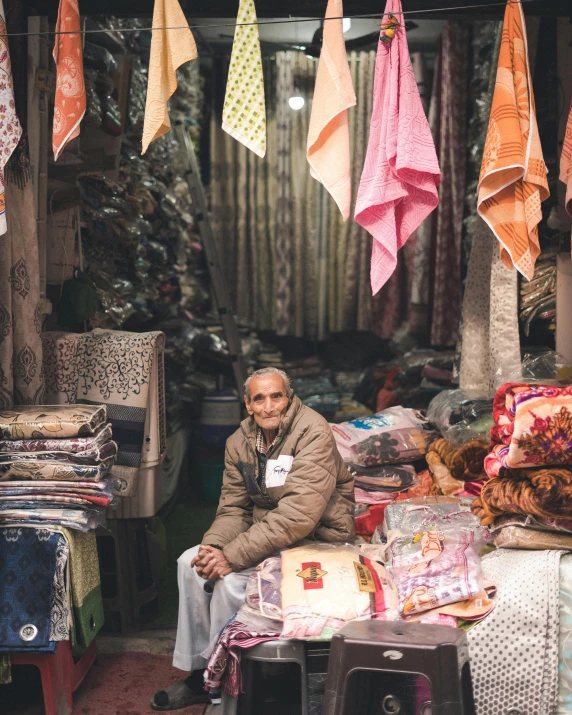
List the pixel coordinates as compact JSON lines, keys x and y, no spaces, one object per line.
{"x":284,"y":481}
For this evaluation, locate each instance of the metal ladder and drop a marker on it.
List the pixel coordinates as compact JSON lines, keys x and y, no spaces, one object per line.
{"x":200,"y":210}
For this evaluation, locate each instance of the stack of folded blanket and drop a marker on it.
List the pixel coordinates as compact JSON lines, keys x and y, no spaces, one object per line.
{"x":457,"y":470}
{"x":530,"y":461}
{"x":55,"y":465}
{"x":376,"y":450}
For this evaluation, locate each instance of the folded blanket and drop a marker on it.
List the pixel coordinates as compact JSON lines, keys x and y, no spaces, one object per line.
{"x":54,"y":470}
{"x":398,"y":187}
{"x":544,"y":493}
{"x":518,"y":537}
{"x":78,"y":444}
{"x":535,"y":423}
{"x":28,"y":558}
{"x":106,"y":453}
{"x":72,"y":518}
{"x":465,"y":462}
{"x":40,"y":421}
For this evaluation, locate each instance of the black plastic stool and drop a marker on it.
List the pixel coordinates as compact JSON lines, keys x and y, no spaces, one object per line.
{"x":402,"y":651}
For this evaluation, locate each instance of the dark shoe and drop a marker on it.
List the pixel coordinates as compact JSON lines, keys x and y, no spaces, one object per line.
{"x":177,"y":696}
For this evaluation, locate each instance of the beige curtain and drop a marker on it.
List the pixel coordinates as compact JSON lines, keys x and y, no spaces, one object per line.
{"x":21,"y":369}
{"x":291,"y":263}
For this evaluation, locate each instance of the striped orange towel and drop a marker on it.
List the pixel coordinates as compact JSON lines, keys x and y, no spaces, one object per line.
{"x":513,"y":173}
{"x":566,"y":164}
{"x":328,"y":148}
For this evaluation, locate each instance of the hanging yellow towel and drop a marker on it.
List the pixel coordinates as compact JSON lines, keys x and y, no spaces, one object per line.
{"x":244,"y":113}
{"x":513,"y":173}
{"x":169,"y":50}
{"x":328,"y":149}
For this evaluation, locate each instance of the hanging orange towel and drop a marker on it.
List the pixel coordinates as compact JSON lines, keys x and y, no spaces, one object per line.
{"x":513,"y":173}
{"x":328,"y":148}
{"x":69,"y":103}
{"x":169,"y":50}
{"x":566,"y":164}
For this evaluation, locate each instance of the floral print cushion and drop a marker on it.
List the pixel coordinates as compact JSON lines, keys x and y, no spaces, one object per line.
{"x":53,"y":421}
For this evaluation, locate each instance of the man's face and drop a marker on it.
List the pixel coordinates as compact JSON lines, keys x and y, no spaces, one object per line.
{"x":268,"y":401}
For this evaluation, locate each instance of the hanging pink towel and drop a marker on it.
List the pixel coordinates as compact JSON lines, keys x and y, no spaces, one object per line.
{"x":329,"y":134}
{"x":398,"y":187}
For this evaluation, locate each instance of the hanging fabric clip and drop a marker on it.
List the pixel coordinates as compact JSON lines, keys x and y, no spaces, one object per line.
{"x":388,"y":28}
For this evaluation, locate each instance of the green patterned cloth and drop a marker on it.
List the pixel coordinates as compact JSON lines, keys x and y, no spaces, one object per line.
{"x":244,"y":112}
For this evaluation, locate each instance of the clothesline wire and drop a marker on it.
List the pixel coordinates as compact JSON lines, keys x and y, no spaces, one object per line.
{"x":283,"y":21}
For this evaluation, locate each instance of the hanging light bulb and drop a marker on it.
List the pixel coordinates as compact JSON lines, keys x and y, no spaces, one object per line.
{"x":346,"y":24}
{"x":296,"y":101}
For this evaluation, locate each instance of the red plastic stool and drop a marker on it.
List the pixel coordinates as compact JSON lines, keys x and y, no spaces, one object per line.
{"x":61,"y":676}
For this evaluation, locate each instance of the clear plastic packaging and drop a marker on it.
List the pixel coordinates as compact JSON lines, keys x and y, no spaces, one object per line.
{"x":418,"y":509}
{"x":263,"y":590}
{"x":391,"y":436}
{"x":545,"y":366}
{"x":460,"y":416}
{"x":324,"y":586}
{"x":519,"y":537}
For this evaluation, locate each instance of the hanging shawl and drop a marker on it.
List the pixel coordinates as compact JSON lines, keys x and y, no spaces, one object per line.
{"x":169,"y":50}
{"x":398,"y":187}
{"x":329,"y":135}
{"x":513,"y":174}
{"x":244,"y":112}
{"x":566,"y":164}
{"x":70,"y":99}
{"x":10,"y":128}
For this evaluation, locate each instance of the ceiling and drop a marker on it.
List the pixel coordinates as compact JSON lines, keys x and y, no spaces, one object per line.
{"x":304,"y":8}
{"x":218,"y":32}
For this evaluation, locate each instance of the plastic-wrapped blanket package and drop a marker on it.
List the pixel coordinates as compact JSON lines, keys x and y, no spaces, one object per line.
{"x":420,"y":508}
{"x":518,"y":537}
{"x":324,"y":586}
{"x":460,"y":416}
{"x":444,"y":574}
{"x":392,"y":436}
{"x":263,"y":590}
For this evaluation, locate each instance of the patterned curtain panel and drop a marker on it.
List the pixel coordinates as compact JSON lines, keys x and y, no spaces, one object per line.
{"x":21,"y":373}
{"x":291,"y":264}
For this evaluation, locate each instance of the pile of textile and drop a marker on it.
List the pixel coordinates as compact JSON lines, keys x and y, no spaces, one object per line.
{"x":530,"y":460}
{"x":432,"y":574}
{"x":377,"y":450}
{"x":55,"y":466}
{"x":457,"y":471}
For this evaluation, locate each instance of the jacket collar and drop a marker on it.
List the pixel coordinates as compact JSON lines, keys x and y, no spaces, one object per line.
{"x":249,"y":425}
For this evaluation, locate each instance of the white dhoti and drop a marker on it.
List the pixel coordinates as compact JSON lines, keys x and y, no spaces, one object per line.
{"x":203,"y":615}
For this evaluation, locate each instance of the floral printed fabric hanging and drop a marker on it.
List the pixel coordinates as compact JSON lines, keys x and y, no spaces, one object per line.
{"x":69,"y":102}
{"x":10,"y":129}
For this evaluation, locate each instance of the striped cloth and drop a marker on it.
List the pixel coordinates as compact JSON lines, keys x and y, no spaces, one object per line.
{"x":223,"y":671}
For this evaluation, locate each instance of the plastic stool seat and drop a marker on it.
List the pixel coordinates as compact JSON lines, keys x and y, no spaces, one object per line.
{"x":61,"y":676}
{"x":438,"y":653}
{"x":278,"y":651}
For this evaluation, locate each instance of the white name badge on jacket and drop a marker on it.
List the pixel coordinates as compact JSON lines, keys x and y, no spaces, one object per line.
{"x":277,"y":470}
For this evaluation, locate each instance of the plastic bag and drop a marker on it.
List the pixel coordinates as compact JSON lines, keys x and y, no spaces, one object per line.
{"x":518,"y":537}
{"x":324,"y":586}
{"x":460,"y":416}
{"x":389,"y":437}
{"x":450,"y":574}
{"x":544,"y":366}
{"x":420,"y":508}
{"x":263,"y":590}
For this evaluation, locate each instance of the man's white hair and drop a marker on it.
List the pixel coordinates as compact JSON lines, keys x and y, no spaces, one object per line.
{"x":265,"y":372}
